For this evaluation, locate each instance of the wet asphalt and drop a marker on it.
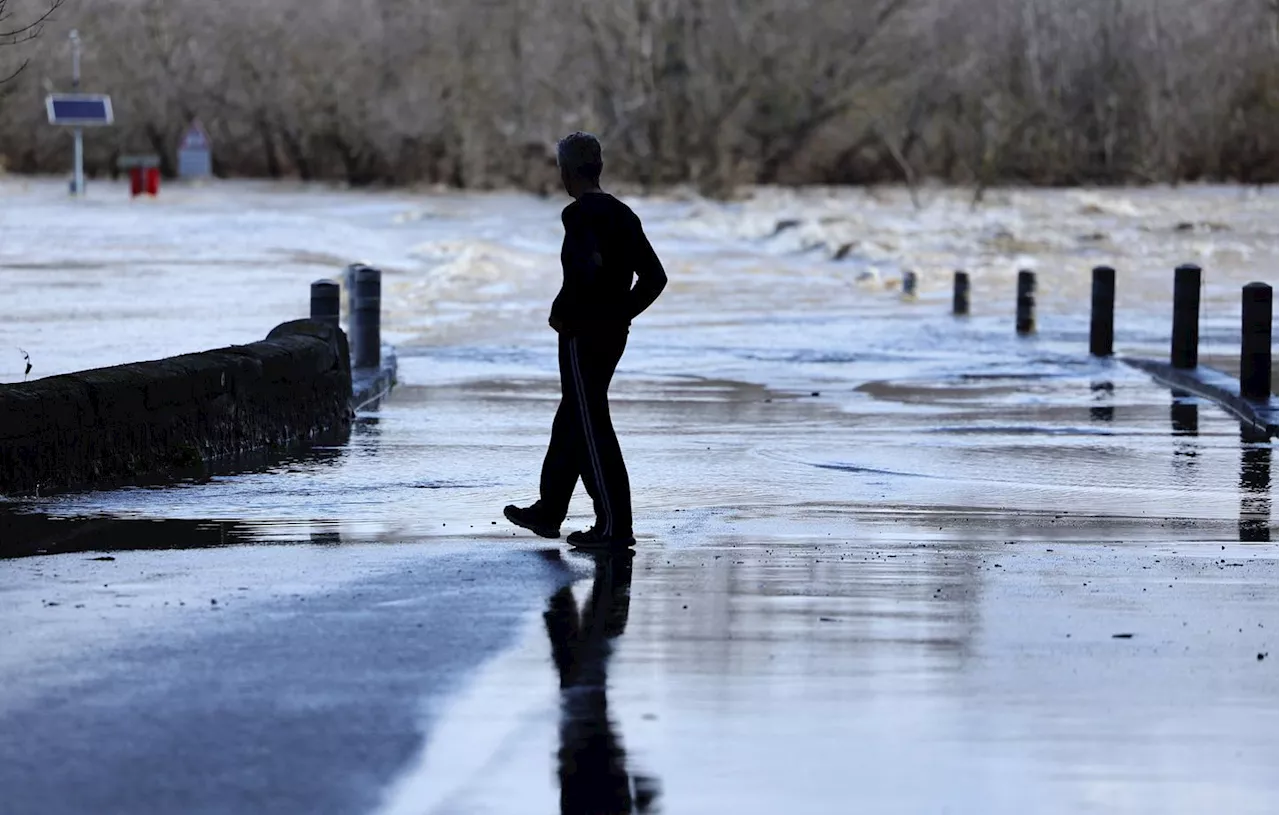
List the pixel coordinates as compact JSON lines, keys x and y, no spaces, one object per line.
{"x":193,"y":695}
{"x":825,"y":614}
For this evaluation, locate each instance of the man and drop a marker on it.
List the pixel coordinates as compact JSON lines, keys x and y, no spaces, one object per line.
{"x":604,"y":245}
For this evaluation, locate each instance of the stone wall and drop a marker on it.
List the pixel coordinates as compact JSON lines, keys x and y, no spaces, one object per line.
{"x":148,"y":419}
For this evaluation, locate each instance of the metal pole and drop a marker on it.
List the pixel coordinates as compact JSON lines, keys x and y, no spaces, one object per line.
{"x":366,"y":318}
{"x":1255,"y":341}
{"x":1184,"y":351}
{"x":1102,"y":322}
{"x":1026,"y":302}
{"x":324,"y":302}
{"x":960,"y":295}
{"x":78,"y":183}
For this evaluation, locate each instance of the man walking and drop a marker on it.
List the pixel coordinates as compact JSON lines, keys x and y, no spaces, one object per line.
{"x":604,"y":246}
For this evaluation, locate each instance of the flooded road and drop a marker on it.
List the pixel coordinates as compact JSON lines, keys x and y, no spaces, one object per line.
{"x":887,"y":561}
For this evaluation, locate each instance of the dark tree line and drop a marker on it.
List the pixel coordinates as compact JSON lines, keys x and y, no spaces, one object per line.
{"x":711,"y":92}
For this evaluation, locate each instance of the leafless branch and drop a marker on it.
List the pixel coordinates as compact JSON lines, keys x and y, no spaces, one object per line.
{"x":30,"y":30}
{"x":711,"y":92}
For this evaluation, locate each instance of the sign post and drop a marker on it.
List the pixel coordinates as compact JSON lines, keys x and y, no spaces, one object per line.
{"x":77,"y":185}
{"x":78,"y":110}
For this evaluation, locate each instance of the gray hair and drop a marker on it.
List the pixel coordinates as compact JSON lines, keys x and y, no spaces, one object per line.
{"x":580,"y":154}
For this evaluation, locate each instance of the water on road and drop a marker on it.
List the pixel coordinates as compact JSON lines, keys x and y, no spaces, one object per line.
{"x":888,"y":560}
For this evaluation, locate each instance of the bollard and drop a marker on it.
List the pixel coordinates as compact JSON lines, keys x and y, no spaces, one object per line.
{"x":366,"y":316}
{"x":1185,"y":347}
{"x":909,"y":283}
{"x":1255,"y":341}
{"x":1102,"y":321}
{"x":325,"y":302}
{"x":960,"y":295}
{"x":1026,"y":302}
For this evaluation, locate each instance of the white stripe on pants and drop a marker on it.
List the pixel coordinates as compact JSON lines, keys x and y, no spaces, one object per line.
{"x":592,"y":452}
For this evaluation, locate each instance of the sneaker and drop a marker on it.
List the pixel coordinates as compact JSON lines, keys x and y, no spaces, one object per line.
{"x":595,"y":539}
{"x":530,"y":520}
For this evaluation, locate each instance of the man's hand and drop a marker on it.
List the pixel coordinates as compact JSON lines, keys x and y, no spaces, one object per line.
{"x":555,"y":323}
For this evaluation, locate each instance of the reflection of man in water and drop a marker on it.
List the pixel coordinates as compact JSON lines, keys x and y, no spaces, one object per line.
{"x":604,"y":247}
{"x":593,"y":775}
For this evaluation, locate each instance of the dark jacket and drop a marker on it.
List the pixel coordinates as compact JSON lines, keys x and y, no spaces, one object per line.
{"x":604,"y":245}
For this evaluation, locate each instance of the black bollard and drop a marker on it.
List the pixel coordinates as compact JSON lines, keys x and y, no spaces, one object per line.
{"x":1026,"y":302}
{"x":960,"y":295}
{"x":366,"y":317}
{"x":1102,"y":320}
{"x":325,"y":298}
{"x":1185,"y":347}
{"x":909,"y":280}
{"x":1255,"y":341}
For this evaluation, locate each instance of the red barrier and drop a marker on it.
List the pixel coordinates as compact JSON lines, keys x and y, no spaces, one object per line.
{"x":144,"y":174}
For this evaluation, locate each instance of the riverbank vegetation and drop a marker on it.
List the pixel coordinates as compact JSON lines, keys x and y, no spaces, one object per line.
{"x":714,"y":93}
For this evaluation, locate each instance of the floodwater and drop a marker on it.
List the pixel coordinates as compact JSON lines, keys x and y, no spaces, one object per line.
{"x":888,"y":560}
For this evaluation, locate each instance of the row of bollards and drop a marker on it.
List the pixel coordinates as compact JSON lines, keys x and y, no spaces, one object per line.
{"x":1184,"y":344}
{"x":364,"y":311}
{"x":364,"y":289}
{"x":1026,"y":314}
{"x":1255,"y":327}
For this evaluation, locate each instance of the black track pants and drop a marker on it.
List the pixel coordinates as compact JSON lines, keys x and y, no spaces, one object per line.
{"x":583,"y":443}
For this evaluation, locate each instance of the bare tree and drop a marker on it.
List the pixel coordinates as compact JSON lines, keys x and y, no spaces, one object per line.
{"x":714,"y":93}
{"x":15,"y":29}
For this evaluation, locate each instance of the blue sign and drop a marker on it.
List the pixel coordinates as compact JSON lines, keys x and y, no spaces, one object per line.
{"x":79,"y":109}
{"x":195,"y":159}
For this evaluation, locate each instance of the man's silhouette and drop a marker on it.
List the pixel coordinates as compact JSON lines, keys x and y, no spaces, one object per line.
{"x":592,"y":763}
{"x":604,"y":246}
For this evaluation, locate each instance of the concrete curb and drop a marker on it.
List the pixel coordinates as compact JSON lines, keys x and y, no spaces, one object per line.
{"x":369,"y":386}
{"x":1217,"y":387}
{"x":144,"y":420}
